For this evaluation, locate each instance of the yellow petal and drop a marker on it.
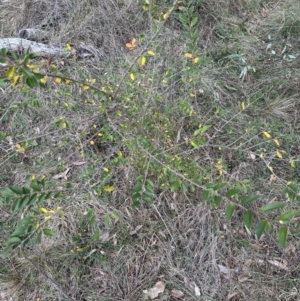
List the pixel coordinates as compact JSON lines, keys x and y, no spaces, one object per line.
{"x":109,"y":188}
{"x":143,"y":60}
{"x":166,"y":15}
{"x":278,"y":154}
{"x":58,"y":80}
{"x":85,"y":87}
{"x":44,"y":79}
{"x":276,"y":142}
{"x":267,"y":135}
{"x":132,"y":76}
{"x":15,"y":80}
{"x":10,"y":72}
{"x":196,"y":60}
{"x":150,"y":52}
{"x":188,"y":55}
{"x":243,"y":106}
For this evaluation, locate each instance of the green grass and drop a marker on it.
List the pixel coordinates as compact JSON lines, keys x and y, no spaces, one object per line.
{"x":145,"y":167}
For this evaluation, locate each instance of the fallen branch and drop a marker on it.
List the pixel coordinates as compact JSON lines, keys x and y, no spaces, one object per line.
{"x":21,"y":45}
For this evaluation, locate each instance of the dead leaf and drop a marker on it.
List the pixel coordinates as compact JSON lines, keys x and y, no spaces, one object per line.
{"x":280,"y":265}
{"x":197,"y":291}
{"x":137,"y":228}
{"x":177,"y":294}
{"x":104,"y":237}
{"x":264,"y":13}
{"x":223,"y":269}
{"x":79,"y":163}
{"x":251,"y":156}
{"x":158,"y":288}
{"x":232,"y":295}
{"x":244,"y":277}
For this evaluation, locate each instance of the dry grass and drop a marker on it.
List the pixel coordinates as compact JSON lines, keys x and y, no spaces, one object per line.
{"x":182,"y":241}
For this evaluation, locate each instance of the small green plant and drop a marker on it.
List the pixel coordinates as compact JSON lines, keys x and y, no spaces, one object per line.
{"x":31,"y":218}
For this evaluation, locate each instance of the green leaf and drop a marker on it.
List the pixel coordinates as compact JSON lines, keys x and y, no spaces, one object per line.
{"x":183,"y":187}
{"x":194,"y":21}
{"x":268,"y":227}
{"x":39,"y":237}
{"x":42,"y":197}
{"x":247,"y":218}
{"x":260,"y":227}
{"x":150,"y":183}
{"x":13,"y":240}
{"x":215,"y":186}
{"x":248,"y":199}
{"x":107,"y":221}
{"x":217,"y":201}
{"x":271,"y":206}
{"x":137,"y":187}
{"x":205,"y":195}
{"x":32,"y":199}
{"x":183,"y":18}
{"x":139,"y":178}
{"x":3,"y":61}
{"x":48,"y":232}
{"x":229,"y":211}
{"x":3,"y":51}
{"x":14,"y":55}
{"x":35,"y":186}
{"x":16,"y":190}
{"x":282,"y":236}
{"x":5,"y":252}
{"x":35,"y":210}
{"x":19,"y":231}
{"x":6,"y":192}
{"x":23,"y":202}
{"x":28,"y":220}
{"x":148,"y":193}
{"x":175,"y":185}
{"x":205,"y":128}
{"x":286,"y":216}
{"x":26,"y":190}
{"x":197,"y":132}
{"x":232,"y":192}
{"x":136,"y":196}
{"x":147,"y":199}
{"x":26,"y":72}
{"x":135,"y":204}
{"x":2,"y":84}
{"x":16,"y":205}
{"x":31,"y":82}
{"x":201,"y":140}
{"x":194,"y":144}
{"x":48,"y":195}
{"x":58,"y":195}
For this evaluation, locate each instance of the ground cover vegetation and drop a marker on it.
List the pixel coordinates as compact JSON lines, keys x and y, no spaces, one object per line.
{"x":164,"y":168}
